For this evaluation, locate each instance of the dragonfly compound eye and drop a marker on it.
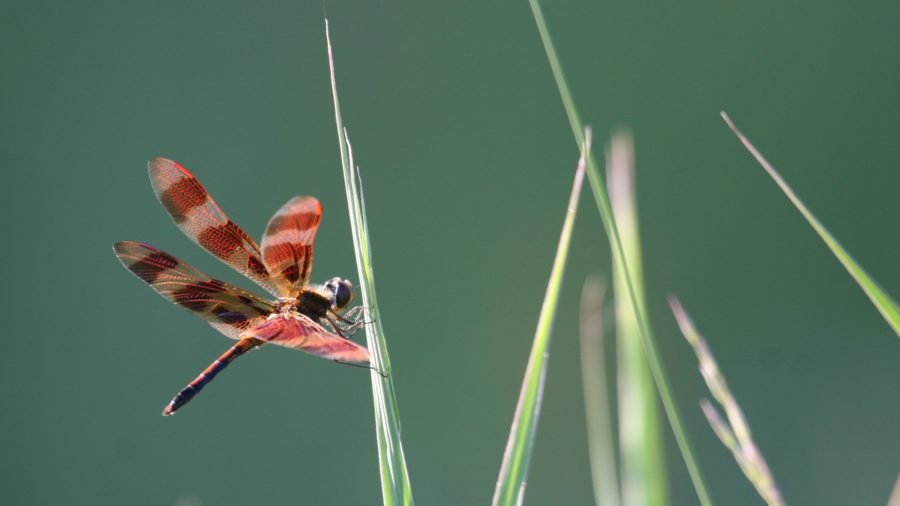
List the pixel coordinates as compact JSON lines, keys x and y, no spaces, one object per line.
{"x":343,"y":293}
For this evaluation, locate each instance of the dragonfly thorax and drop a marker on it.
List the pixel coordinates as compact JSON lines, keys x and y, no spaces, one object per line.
{"x":315,"y":302}
{"x":285,"y":305}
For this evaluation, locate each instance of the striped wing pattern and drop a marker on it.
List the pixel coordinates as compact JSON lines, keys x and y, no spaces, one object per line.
{"x":227,"y":308}
{"x":201,"y":219}
{"x":301,"y":333}
{"x":287,"y":245}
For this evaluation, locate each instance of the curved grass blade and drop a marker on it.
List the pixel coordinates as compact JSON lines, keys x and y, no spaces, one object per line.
{"x":517,"y":456}
{"x":648,"y":342}
{"x":597,"y":408}
{"x":395,"y":486}
{"x":640,"y":431}
{"x":882,"y":301}
{"x":735,"y":434}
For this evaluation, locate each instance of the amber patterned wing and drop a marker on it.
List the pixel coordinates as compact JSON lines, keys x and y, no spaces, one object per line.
{"x":287,"y":245}
{"x":301,"y":333}
{"x":228,"y":308}
{"x":200,"y":218}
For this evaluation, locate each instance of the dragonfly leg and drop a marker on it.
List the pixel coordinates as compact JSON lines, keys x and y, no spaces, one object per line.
{"x":361,"y":366}
{"x":334,"y":326}
{"x":354,"y":319}
{"x":343,"y":330}
{"x":352,"y":315}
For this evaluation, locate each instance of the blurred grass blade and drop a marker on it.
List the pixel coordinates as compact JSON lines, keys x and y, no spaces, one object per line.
{"x":883,"y":302}
{"x":395,"y":487}
{"x":640,"y":432}
{"x":894,"y":500}
{"x":597,"y":409}
{"x":735,"y":434}
{"x":648,"y":342}
{"x":517,"y":456}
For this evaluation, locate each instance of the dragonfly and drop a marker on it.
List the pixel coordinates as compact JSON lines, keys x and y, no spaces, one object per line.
{"x":303,"y":316}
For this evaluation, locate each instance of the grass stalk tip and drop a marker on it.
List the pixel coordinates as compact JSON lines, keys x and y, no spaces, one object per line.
{"x":510,"y":488}
{"x":395,"y":485}
{"x":880,"y":298}
{"x":735,"y":432}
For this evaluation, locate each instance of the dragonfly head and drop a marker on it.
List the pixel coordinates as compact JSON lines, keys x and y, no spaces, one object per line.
{"x":341,"y":292}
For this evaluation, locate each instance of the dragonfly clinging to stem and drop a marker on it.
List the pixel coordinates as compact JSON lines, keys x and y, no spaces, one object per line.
{"x":308,"y":317}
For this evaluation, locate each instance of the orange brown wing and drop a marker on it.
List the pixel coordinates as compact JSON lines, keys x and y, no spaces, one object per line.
{"x":301,"y":333}
{"x":201,"y":219}
{"x":287,"y":245}
{"x":229,"y":309}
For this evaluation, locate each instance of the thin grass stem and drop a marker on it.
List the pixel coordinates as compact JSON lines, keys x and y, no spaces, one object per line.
{"x":882,"y":301}
{"x":597,"y":407}
{"x":603,"y":205}
{"x":511,"y":482}
{"x":395,"y":485}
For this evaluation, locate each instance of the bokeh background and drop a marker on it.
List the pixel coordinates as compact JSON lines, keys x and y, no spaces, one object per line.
{"x":467,"y":158}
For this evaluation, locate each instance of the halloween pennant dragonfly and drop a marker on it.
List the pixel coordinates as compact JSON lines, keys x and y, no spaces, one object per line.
{"x":305,"y":317}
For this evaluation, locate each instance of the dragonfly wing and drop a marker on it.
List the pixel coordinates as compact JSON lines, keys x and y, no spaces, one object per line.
{"x":301,"y":333}
{"x":203,"y":221}
{"x":229,"y":309}
{"x":287,"y":245}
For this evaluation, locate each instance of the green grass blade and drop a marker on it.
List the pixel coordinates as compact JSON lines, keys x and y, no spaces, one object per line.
{"x":735,"y":434}
{"x":640,"y":431}
{"x":882,"y":301}
{"x":603,"y":205}
{"x":597,"y":408}
{"x":517,"y":456}
{"x":395,"y":486}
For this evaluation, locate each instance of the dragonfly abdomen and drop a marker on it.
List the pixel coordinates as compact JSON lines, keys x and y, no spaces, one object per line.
{"x":187,"y":393}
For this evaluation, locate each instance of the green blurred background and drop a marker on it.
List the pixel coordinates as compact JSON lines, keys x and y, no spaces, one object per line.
{"x":467,"y":158}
